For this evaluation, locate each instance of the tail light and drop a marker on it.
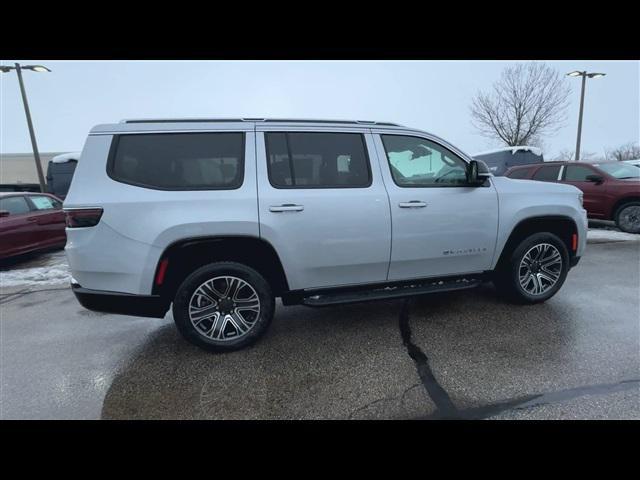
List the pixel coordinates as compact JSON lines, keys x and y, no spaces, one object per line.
{"x":83,"y":217}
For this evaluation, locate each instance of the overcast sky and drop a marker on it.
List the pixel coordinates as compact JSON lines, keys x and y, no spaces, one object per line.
{"x":429,"y":95}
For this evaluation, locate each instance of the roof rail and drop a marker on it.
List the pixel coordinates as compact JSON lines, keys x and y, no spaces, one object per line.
{"x":281,"y":120}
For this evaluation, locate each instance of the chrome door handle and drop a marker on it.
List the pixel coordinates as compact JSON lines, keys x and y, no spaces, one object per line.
{"x":412,"y":204}
{"x":287,"y":207}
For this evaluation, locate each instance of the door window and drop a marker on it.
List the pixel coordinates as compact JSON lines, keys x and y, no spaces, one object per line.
{"x":577,"y":173}
{"x":44,"y":202}
{"x":14,"y":205}
{"x":317,"y":160}
{"x":547,"y":174}
{"x":519,"y":173}
{"x":418,"y":162}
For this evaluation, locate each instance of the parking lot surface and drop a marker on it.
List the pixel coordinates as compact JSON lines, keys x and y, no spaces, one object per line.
{"x":457,"y":355}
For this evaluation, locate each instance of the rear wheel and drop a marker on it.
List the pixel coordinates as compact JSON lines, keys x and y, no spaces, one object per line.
{"x":535,"y":270}
{"x":628,"y":217}
{"x":223,"y":306}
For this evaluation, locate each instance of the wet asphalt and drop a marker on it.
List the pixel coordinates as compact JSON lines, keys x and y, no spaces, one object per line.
{"x":455,"y":355}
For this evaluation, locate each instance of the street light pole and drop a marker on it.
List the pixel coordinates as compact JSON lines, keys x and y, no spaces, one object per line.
{"x":584,"y":76}
{"x":584,"y":82}
{"x":35,"y":68}
{"x":36,"y":153}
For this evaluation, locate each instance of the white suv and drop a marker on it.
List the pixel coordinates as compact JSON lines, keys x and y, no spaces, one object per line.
{"x":220,"y":217}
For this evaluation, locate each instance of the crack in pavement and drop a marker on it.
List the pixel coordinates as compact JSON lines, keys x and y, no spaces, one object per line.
{"x":444,"y":404}
{"x":446,"y":409}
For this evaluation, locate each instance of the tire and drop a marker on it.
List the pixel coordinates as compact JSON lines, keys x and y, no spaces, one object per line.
{"x":216,"y":322}
{"x":536,"y":286}
{"x":628,"y":217}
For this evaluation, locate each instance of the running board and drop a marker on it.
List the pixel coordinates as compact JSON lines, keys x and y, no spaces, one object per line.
{"x":390,"y":292}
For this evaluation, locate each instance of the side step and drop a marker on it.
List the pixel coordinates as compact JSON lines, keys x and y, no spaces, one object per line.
{"x":421,"y":287}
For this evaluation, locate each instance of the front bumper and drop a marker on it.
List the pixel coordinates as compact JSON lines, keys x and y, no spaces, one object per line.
{"x":121,"y":303}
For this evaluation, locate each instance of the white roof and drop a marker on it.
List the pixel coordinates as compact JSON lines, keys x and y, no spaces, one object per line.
{"x":65,"y":157}
{"x":513,"y":150}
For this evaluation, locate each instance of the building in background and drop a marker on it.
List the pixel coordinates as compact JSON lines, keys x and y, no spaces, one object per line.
{"x":18,"y":172}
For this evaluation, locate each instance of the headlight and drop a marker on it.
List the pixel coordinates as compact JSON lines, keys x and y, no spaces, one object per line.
{"x":581,"y":198}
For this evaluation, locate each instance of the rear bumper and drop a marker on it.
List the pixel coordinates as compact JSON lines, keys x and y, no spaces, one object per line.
{"x":121,"y":303}
{"x":573,"y":261}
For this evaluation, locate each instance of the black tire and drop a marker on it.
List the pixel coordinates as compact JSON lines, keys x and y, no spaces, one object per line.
{"x":195,"y":334}
{"x":507,"y":275}
{"x":628,"y":217}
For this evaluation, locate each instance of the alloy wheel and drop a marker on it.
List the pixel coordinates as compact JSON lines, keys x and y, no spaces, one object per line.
{"x":629,"y":219}
{"x":540,"y":269}
{"x":224,"y":308}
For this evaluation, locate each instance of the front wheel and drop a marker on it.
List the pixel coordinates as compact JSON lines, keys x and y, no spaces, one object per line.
{"x":223,"y":306}
{"x":628,"y":217}
{"x":535,"y":270}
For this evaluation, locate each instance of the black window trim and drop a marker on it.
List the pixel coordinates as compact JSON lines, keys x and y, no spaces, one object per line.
{"x":114,"y":148}
{"x":487,"y":182}
{"x":314,"y":187}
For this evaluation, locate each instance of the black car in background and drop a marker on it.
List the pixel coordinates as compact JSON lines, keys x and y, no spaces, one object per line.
{"x":60,"y":172}
{"x":500,"y":160}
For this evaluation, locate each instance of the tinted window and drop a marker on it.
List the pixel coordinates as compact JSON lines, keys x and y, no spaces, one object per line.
{"x":417,"y":162}
{"x":44,"y":203}
{"x":520,"y":173}
{"x":317,"y":160}
{"x":15,"y":205}
{"x":547,"y":174}
{"x":180,"y":161}
{"x":577,"y":173}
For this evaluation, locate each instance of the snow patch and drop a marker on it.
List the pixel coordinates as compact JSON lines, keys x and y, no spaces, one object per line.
{"x":55,"y":274}
{"x":65,"y":157}
{"x":601,"y":236}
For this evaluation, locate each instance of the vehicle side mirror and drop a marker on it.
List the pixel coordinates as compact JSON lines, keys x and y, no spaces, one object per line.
{"x":597,"y":179}
{"x":475,"y":177}
{"x":4,"y":213}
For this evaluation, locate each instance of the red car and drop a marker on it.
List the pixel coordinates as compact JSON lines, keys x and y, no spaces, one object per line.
{"x":29,"y":222}
{"x":611,"y":189}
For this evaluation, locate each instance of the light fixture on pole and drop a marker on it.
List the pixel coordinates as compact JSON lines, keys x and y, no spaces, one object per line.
{"x":36,"y":155}
{"x":584,"y":75}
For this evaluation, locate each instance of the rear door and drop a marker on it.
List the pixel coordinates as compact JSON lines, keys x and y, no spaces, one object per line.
{"x":16,"y":230}
{"x":323,"y":205}
{"x":440,"y":226}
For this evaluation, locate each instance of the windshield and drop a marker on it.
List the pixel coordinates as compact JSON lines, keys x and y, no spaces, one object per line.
{"x":620,"y":170}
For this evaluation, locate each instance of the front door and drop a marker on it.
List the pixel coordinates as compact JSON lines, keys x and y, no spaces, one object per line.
{"x":440,"y":226}
{"x":594,"y":193}
{"x":323,"y":205}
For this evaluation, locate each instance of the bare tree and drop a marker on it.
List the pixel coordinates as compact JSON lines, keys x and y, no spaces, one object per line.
{"x":570,"y":156}
{"x":628,"y":151}
{"x":528,"y":102}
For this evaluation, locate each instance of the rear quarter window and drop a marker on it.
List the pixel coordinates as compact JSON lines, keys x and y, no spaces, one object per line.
{"x":179,"y":161}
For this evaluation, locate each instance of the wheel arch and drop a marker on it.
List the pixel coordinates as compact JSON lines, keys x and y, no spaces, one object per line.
{"x":619,"y":203}
{"x":186,"y":255}
{"x":561,"y":225}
